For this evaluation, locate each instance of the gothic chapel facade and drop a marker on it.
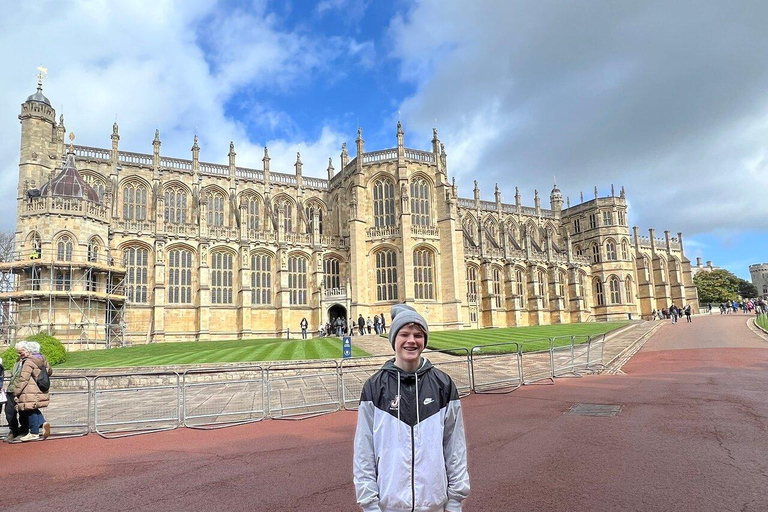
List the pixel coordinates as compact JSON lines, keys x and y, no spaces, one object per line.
{"x":114,"y":247}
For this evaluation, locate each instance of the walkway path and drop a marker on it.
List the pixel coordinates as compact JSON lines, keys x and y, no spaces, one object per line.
{"x":690,"y":436}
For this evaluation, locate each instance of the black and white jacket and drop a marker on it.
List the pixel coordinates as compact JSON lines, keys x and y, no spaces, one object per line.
{"x":410,"y":450}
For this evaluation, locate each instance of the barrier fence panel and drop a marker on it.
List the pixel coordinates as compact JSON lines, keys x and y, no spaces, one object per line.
{"x":297,"y":390}
{"x":126,"y":405}
{"x":455,"y":362}
{"x":537,"y":365}
{"x":69,"y":411}
{"x":496,"y":367}
{"x":222,"y":397}
{"x":595,"y":355}
{"x":354,"y":372}
{"x":580,"y":353}
{"x":562,"y":355}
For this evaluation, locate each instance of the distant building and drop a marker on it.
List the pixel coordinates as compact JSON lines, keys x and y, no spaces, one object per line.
{"x":702,"y":268}
{"x":759,"y":273}
{"x":115,"y":247}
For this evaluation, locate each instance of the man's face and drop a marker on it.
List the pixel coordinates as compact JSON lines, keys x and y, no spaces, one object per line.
{"x":409,"y":343}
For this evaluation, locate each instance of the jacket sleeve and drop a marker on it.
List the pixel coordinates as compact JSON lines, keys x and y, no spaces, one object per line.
{"x":455,"y":453}
{"x":364,"y":470}
{"x":24,"y":376}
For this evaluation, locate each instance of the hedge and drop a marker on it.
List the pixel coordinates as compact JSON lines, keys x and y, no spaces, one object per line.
{"x":50,"y":347}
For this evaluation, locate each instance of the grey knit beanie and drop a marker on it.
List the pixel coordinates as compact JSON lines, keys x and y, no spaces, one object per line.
{"x":403,"y":315}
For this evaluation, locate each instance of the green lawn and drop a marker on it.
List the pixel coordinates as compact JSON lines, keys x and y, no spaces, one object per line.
{"x":210,"y":352}
{"x":319,"y":348}
{"x":529,"y":337}
{"x":762,"y":321}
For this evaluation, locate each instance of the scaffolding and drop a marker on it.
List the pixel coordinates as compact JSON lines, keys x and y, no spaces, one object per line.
{"x":78,"y":297}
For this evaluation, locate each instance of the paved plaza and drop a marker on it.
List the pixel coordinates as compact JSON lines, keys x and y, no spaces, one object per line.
{"x":693,"y":408}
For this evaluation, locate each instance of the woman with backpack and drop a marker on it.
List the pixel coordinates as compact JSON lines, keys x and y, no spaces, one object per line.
{"x":27,"y":392}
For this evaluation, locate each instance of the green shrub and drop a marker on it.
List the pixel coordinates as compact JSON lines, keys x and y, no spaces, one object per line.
{"x":50,"y":347}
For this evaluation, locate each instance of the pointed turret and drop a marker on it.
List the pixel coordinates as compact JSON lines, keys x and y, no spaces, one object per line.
{"x":556,"y":198}
{"x":69,"y":183}
{"x":330,"y":168}
{"x":298,"y":164}
{"x":344,"y":155}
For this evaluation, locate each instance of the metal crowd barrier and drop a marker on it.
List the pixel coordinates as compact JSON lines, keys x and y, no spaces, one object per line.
{"x":69,"y":412}
{"x":595,"y":353}
{"x":496,"y":367}
{"x":354,"y":372}
{"x":538,"y":365}
{"x":216,"y":397}
{"x":137,"y":404}
{"x":302,"y":390}
{"x":119,"y":405}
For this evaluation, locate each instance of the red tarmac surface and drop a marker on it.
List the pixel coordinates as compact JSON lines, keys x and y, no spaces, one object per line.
{"x":692,"y":436}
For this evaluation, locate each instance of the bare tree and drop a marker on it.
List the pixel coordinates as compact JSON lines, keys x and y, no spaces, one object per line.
{"x":7,"y":279}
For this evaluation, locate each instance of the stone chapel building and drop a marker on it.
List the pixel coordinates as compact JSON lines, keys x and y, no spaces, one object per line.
{"x":116,"y":248}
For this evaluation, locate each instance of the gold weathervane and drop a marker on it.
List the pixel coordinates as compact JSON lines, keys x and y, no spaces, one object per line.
{"x":41,"y":74}
{"x":71,"y":141}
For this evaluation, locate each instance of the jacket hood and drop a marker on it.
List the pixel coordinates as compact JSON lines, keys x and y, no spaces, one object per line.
{"x":425,"y":367}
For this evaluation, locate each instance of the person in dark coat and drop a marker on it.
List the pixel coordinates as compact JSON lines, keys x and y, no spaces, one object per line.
{"x":361,"y":324}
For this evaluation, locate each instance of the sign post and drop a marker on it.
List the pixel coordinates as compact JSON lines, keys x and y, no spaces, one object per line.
{"x":346,"y":347}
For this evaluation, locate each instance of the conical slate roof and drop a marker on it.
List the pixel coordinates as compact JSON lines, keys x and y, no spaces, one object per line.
{"x":69,"y":183}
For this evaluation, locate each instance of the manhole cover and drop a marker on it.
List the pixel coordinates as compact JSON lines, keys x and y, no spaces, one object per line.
{"x":594,"y":410}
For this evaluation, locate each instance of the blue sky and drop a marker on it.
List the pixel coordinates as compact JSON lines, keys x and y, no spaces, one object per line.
{"x":669,"y":100}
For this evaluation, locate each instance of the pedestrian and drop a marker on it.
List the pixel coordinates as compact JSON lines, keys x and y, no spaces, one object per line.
{"x":369,"y":324}
{"x":304,"y":324}
{"x":376,"y":325}
{"x":361,"y":324}
{"x":15,"y":429}
{"x":654,"y":315}
{"x":674,"y":312}
{"x":2,"y":388}
{"x":688,"y":313}
{"x":28,"y":397}
{"x":383,"y":324}
{"x":410,"y":451}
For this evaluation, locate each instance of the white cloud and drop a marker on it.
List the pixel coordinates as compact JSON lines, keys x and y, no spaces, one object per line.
{"x":666,"y":99}
{"x":175,"y":70}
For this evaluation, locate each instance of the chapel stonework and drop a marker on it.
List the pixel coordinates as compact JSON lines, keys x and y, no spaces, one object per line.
{"x":120,"y":248}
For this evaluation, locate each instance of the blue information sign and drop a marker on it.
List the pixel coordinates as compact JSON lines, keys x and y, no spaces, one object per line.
{"x":346,"y":348}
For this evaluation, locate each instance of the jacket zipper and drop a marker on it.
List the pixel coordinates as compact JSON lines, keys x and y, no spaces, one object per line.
{"x":413,"y":472}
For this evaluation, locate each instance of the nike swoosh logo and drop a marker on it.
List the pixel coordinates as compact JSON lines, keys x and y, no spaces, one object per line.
{"x":428,"y":401}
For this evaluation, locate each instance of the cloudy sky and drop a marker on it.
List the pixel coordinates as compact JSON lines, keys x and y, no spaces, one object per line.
{"x":669,"y":99}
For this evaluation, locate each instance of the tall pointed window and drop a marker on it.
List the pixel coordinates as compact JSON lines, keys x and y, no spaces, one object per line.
{"x":134,"y":202}
{"x":562,"y":282}
{"x":423,"y":274}
{"x":386,"y":275}
{"x":136,"y":261}
{"x":175,"y":205}
{"x":216,"y":209}
{"x":93,"y":250}
{"x":599,"y":294}
{"x":498,"y":291}
{"x":332,"y":276}
{"x":520,"y":286}
{"x":313,"y":210}
{"x":261,"y":279}
{"x":252,"y":212}
{"x":297,"y":280}
{"x":420,"y":202}
{"x":472,"y":286}
{"x":595,"y":253}
{"x":383,"y":203}
{"x":624,"y":250}
{"x":180,"y":276}
{"x":610,"y":250}
{"x":64,"y":248}
{"x":615,"y":288}
{"x":221,"y":278}
{"x":628,"y":287}
{"x":542,"y":283}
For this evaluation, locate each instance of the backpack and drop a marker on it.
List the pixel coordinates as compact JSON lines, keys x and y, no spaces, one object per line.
{"x":43,"y":381}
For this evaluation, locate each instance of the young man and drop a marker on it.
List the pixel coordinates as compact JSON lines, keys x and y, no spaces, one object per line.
{"x":410,"y":451}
